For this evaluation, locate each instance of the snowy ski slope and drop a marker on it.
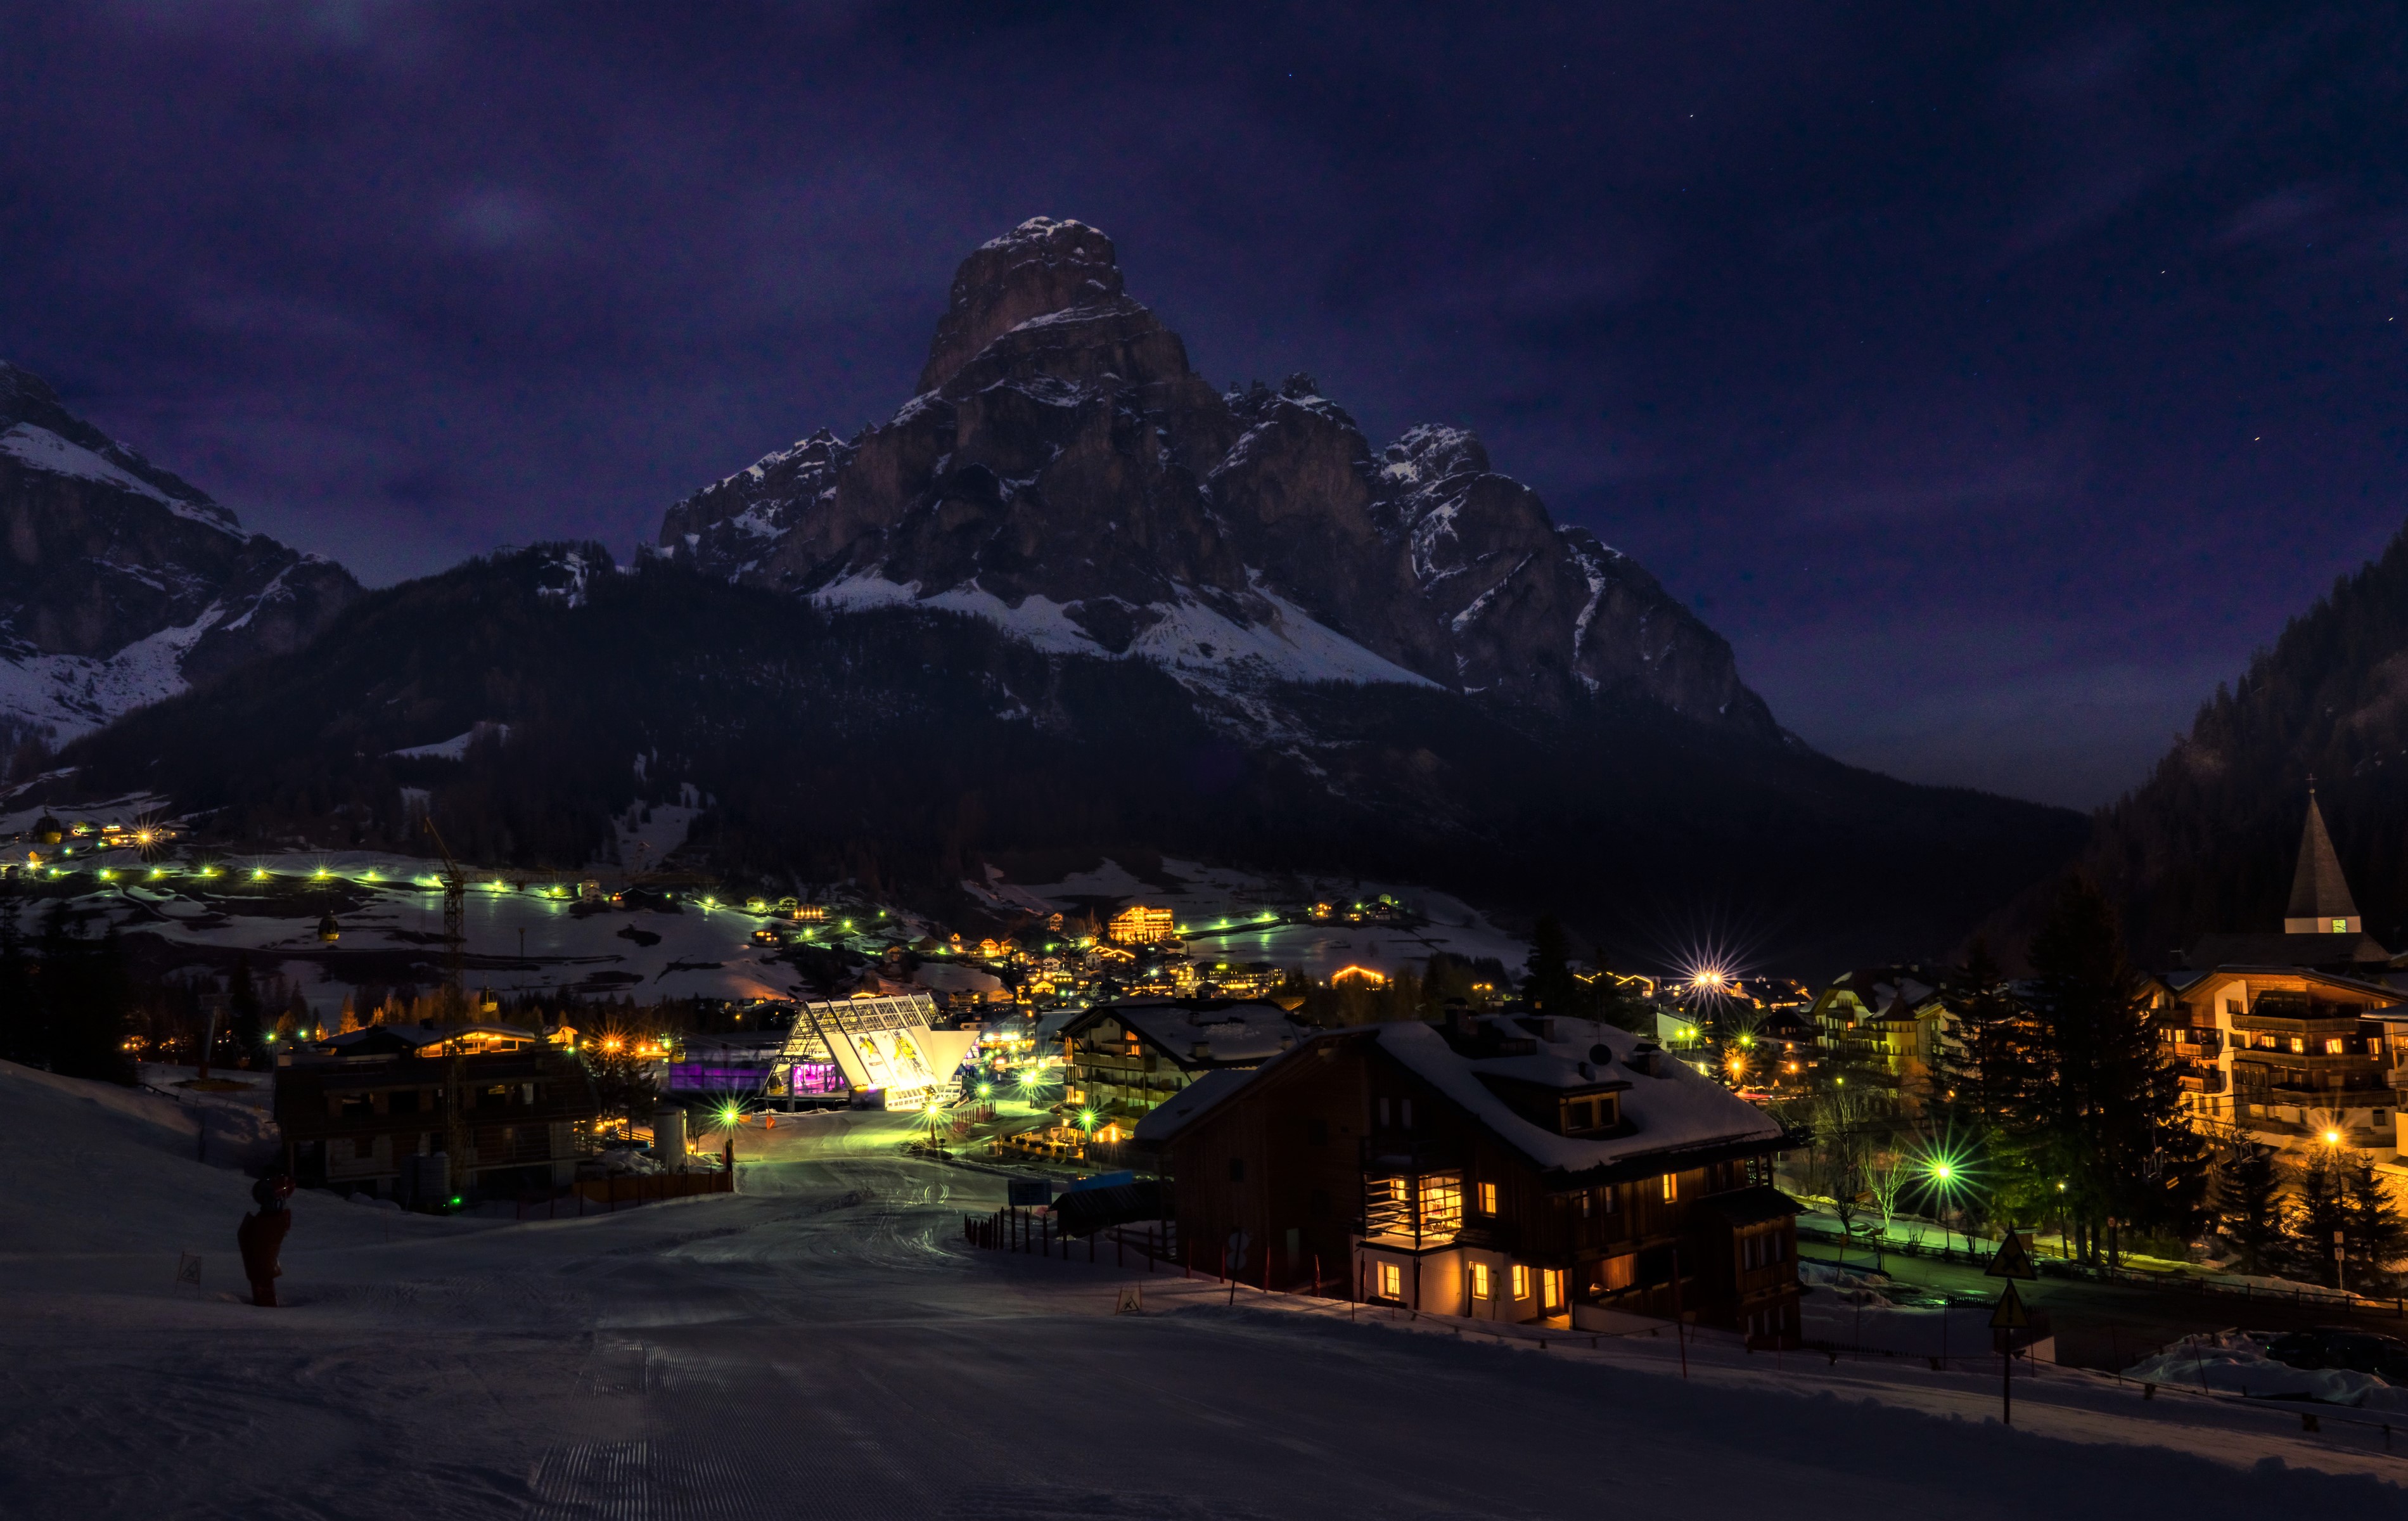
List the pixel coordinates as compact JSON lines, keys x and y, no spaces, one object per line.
{"x":823,"y":1345}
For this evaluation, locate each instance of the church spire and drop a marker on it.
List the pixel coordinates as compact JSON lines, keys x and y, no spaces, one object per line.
{"x":2320,"y":900}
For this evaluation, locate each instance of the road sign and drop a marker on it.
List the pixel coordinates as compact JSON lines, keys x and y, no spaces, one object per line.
{"x":1132,"y":1301}
{"x":2013,"y":1259}
{"x":2010,"y":1315}
{"x":188,"y":1268}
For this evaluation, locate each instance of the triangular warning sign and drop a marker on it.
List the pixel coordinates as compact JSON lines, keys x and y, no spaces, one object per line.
{"x":2013,"y":1259}
{"x":2010,"y":1315}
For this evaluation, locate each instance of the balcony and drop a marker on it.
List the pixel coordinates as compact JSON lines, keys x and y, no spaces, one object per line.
{"x":2206,"y":1082}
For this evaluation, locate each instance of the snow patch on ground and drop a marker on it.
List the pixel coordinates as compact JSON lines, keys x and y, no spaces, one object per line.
{"x":2233,"y":1363}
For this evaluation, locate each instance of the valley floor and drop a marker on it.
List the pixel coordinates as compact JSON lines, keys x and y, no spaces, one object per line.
{"x":824,"y":1343}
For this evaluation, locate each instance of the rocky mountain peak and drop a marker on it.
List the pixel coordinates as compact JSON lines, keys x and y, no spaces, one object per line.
{"x":1064,"y":473}
{"x":1038,"y":268}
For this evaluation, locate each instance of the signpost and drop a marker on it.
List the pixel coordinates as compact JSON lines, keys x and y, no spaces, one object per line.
{"x":2014,"y":1260}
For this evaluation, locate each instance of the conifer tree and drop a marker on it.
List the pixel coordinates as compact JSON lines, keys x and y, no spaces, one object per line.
{"x":1981,"y":1082}
{"x":2319,"y":1216}
{"x":242,"y":1008}
{"x":2377,"y":1233}
{"x":2106,"y":1108}
{"x":2248,"y":1204}
{"x":1551,"y":987}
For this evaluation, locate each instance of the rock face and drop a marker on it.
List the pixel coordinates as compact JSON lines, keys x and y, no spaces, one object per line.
{"x":1066,"y":474}
{"x":121,"y":583}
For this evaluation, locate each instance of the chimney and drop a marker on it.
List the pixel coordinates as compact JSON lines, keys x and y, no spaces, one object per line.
{"x":1201,"y":1051}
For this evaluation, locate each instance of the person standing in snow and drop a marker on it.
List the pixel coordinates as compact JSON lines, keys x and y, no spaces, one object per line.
{"x":261,"y":1237}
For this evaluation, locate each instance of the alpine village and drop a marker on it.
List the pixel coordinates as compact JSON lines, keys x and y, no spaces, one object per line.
{"x":1346,"y":894}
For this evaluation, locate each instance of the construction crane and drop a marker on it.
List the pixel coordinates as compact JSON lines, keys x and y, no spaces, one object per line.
{"x":455,"y":927}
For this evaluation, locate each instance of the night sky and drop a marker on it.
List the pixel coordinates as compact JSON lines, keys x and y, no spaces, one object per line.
{"x":1996,"y":378}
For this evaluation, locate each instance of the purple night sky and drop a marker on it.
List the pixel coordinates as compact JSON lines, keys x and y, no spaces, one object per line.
{"x":1995,"y":377}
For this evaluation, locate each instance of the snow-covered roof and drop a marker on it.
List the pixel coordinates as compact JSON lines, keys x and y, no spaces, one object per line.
{"x":1669,"y":1106}
{"x":1666,"y":1106}
{"x":1233,"y":1032}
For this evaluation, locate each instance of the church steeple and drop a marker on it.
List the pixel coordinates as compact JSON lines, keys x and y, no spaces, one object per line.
{"x":2320,"y":900}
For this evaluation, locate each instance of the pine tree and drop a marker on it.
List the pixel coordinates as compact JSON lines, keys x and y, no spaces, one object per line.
{"x":2106,"y":1107}
{"x":2377,"y":1233}
{"x":1551,"y":988}
{"x":20,"y":1012}
{"x":1980,"y":1084}
{"x":2319,"y":1217}
{"x":2249,"y":1205}
{"x":242,"y":1008}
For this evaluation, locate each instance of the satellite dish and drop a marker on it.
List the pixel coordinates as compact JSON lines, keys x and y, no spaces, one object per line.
{"x":1601,"y":1054}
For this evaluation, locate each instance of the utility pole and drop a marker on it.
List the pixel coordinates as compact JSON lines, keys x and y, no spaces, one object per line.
{"x":455,"y":930}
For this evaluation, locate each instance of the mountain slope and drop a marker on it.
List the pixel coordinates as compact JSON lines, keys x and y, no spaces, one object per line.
{"x":2208,"y":844}
{"x":1065,"y":474}
{"x":121,"y":583}
{"x":906,"y":745}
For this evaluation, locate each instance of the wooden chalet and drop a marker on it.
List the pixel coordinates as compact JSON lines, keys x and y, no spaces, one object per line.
{"x":1506,"y":1168}
{"x":511,"y":1110}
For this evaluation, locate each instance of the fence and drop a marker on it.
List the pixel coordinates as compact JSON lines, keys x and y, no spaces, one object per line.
{"x":1979,"y":1256}
{"x":633,"y":1189}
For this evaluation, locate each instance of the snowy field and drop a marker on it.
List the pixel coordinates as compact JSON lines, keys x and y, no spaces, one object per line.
{"x":823,"y":1345}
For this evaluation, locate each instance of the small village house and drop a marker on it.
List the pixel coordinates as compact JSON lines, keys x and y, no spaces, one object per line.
{"x":1507,"y":1167}
{"x":511,"y":1110}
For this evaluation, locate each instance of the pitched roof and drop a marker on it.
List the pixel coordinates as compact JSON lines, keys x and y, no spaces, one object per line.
{"x":1669,"y":1107}
{"x":2318,"y":889}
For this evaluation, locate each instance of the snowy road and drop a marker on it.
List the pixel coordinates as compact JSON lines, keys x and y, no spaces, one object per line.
{"x":787,"y":1352}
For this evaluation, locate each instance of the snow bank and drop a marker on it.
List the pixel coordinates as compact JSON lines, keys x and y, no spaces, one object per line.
{"x":2233,"y":1362}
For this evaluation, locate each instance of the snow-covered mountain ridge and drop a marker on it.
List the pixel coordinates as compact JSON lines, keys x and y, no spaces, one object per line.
{"x":121,"y":583}
{"x":1065,"y":475}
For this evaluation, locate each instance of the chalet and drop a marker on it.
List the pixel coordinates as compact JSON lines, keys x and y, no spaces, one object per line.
{"x":2298,"y":1039}
{"x":1507,"y":1167}
{"x":1123,"y":1060}
{"x":510,"y":1109}
{"x":1890,"y":1018}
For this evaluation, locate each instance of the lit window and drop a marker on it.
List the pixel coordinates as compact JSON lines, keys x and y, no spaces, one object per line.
{"x":1392,"y":1281}
{"x":1671,"y":1186}
{"x":1488,"y":1198}
{"x":2341,"y":926}
{"x":1480,"y":1283}
{"x":2299,"y":1046}
{"x":1521,"y":1281}
{"x":2335,"y":1046}
{"x":1551,"y":1289}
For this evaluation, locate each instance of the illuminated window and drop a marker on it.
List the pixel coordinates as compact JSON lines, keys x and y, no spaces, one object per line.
{"x":1551,"y":1289}
{"x":2341,"y":926}
{"x":2299,"y":1046}
{"x":2334,"y":1047}
{"x":1521,"y":1281}
{"x":1392,"y":1281}
{"x":1488,"y":1198}
{"x":1671,"y":1186}
{"x":1480,"y":1283}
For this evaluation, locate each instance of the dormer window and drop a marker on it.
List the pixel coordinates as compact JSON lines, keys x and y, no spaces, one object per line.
{"x":1590,"y":1113}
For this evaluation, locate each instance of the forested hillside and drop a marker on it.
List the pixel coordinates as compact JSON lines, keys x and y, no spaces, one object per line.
{"x":904,"y":747}
{"x":2207,"y":843}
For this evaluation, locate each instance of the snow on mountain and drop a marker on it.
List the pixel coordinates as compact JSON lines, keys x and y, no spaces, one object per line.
{"x":1065,"y":475}
{"x":124,"y":583}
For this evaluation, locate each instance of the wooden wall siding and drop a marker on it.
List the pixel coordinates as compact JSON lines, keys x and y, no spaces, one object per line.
{"x":1290,"y":1159}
